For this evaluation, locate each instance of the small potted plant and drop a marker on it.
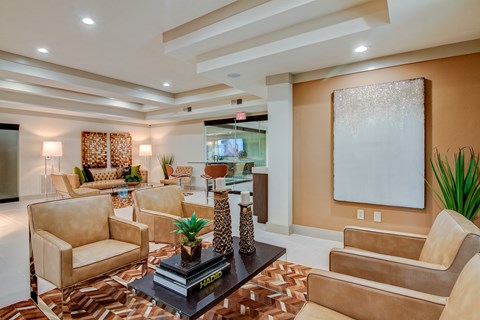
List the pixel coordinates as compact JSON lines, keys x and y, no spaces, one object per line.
{"x":191,"y":246}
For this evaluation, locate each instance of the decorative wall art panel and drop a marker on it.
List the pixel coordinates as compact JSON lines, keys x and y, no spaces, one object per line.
{"x":379,"y":144}
{"x":120,"y":150}
{"x":94,"y":149}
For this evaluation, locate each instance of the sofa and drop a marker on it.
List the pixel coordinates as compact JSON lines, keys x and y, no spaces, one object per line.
{"x":104,"y":179}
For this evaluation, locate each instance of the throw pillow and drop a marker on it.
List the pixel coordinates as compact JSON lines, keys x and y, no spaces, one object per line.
{"x":119,"y":173}
{"x":88,"y":175}
{"x":80,"y":174}
{"x":126,"y":171}
{"x":135,"y":170}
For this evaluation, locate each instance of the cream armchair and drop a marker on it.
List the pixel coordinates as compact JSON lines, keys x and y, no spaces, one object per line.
{"x":68,"y":185}
{"x":428,"y":264}
{"x":158,"y":207}
{"x":341,"y":297}
{"x":74,"y":240}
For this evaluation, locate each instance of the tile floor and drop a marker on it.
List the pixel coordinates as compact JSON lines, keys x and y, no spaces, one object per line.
{"x":14,"y":257}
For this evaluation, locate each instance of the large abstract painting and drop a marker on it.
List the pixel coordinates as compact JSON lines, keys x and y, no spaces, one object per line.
{"x":379,"y":144}
{"x":120,"y":150}
{"x":94,"y":149}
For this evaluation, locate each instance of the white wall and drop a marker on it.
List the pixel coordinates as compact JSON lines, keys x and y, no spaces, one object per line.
{"x":34,"y":129}
{"x":187,"y":143}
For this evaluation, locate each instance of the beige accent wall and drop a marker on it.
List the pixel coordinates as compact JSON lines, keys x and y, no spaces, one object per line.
{"x":452,"y":121}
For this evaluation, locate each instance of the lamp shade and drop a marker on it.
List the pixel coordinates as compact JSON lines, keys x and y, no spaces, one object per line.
{"x":52,"y":149}
{"x":145,"y":150}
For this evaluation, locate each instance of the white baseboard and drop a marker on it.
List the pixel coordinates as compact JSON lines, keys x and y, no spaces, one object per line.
{"x":276,"y":228}
{"x":318,"y":233}
{"x":36,"y":197}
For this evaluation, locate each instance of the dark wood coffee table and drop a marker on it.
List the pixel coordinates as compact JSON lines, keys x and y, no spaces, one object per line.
{"x":243,"y":268}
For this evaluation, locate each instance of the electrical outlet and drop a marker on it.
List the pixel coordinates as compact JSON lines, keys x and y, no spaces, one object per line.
{"x":360,"y":214}
{"x":377,"y":216}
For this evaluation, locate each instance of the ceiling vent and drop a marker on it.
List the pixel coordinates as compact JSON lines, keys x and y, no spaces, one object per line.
{"x":187,"y":109}
{"x":237,"y":101}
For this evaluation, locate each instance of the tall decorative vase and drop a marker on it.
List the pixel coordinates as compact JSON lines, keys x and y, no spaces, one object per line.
{"x":247,"y":240}
{"x":222,"y":232}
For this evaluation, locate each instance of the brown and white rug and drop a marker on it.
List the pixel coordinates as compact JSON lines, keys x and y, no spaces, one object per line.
{"x":278,"y":292}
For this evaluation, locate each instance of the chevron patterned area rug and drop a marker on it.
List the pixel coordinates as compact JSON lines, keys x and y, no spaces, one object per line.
{"x":278,"y":292}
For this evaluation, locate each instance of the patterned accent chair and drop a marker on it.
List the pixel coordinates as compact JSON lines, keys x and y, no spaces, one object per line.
{"x":158,"y":207}
{"x":184,"y":176}
{"x":341,"y":297}
{"x":429,"y":264}
{"x":76,"y":240}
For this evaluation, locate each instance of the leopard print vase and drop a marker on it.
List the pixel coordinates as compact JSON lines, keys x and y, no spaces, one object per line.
{"x":222,"y":232}
{"x":247,"y":240}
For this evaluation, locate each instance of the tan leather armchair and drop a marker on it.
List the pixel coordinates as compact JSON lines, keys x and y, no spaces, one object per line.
{"x":158,"y":207}
{"x":428,"y":264}
{"x":75,"y":240}
{"x":68,"y":185}
{"x":336,"y":296}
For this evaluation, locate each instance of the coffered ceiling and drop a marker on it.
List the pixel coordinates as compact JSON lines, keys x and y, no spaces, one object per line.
{"x":210,"y":51}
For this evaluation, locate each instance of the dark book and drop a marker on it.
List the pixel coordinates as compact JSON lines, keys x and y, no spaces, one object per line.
{"x":201,"y":283}
{"x":187,"y":280}
{"x":187,"y":269}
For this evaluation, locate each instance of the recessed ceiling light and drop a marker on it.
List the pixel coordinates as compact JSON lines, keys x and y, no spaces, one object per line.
{"x":233,"y":75}
{"x":166,"y":84}
{"x":361,"y":49}
{"x":88,"y":20}
{"x":42,"y":50}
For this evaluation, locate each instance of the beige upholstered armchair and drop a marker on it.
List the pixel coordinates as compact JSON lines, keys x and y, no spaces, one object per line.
{"x":68,"y":185}
{"x":428,"y":264}
{"x":74,"y":240}
{"x":158,"y":207}
{"x":341,"y":297}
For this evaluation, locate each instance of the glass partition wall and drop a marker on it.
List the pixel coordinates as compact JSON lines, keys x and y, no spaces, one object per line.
{"x":241,"y":145}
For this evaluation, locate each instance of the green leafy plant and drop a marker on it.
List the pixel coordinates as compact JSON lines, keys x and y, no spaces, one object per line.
{"x":133,"y":178}
{"x":460,"y":187}
{"x":164,"y":160}
{"x":190,"y":227}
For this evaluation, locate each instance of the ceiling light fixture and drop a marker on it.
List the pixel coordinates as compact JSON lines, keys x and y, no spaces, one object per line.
{"x":166,"y":84}
{"x":88,"y":20}
{"x":42,"y":50}
{"x":233,"y":75}
{"x":361,"y":49}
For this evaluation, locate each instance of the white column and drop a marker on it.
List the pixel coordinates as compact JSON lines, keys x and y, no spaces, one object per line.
{"x":279,"y":146}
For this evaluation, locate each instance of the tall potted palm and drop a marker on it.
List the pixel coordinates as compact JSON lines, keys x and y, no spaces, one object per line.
{"x":459,"y":184}
{"x":164,"y":160}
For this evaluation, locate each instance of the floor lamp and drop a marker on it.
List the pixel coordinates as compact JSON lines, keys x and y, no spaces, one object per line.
{"x":145,"y":151}
{"x":50,"y":150}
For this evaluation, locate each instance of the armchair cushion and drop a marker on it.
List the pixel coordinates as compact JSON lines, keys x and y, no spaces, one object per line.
{"x":100,"y":257}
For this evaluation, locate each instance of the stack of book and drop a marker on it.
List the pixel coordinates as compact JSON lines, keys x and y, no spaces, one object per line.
{"x":185,"y":278}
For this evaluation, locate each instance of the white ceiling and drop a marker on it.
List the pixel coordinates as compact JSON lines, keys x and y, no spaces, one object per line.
{"x":135,"y":46}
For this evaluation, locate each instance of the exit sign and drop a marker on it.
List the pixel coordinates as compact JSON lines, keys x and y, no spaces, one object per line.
{"x":241,"y":116}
